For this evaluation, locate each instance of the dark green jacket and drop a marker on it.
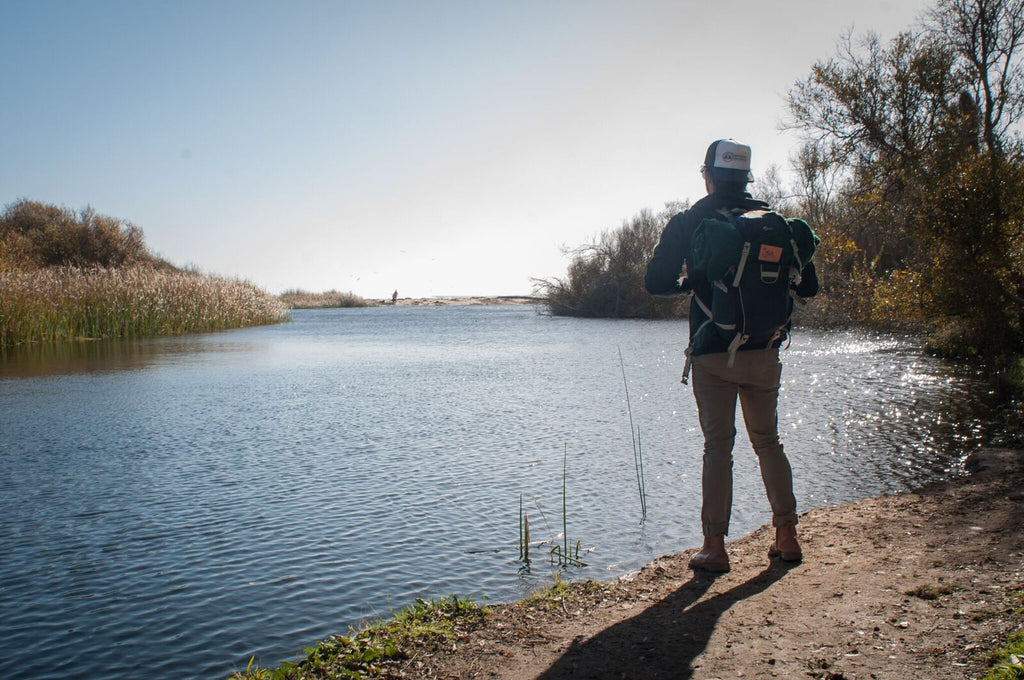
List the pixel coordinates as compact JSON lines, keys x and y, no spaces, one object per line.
{"x":665,"y":270}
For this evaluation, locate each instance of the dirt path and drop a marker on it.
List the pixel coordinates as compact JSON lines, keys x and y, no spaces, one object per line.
{"x":918,"y":585}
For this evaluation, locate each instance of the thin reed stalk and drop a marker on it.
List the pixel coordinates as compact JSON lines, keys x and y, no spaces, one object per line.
{"x":563,"y":553}
{"x":526,"y":539}
{"x":638,"y":456}
{"x":520,"y":526}
{"x":524,"y":533}
{"x":643,"y":479}
{"x":565,"y":514}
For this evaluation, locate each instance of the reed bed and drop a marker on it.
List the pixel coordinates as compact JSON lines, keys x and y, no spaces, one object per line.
{"x":70,"y":303}
{"x":300,"y":299}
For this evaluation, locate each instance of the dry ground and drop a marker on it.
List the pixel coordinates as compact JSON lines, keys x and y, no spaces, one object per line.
{"x":917,"y":585}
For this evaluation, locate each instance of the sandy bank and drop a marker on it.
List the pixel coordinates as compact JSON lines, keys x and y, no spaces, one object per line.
{"x":918,"y":585}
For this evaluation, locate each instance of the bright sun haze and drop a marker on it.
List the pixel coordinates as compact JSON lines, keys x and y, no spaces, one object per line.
{"x":444,"y":148}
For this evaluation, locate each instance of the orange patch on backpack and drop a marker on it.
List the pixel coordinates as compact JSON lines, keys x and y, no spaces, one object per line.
{"x":769,"y":253}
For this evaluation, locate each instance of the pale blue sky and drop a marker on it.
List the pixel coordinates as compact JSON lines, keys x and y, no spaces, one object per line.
{"x":446,"y":147}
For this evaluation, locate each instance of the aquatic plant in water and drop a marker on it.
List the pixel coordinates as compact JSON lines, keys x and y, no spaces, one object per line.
{"x":565,"y":554}
{"x":638,"y":452}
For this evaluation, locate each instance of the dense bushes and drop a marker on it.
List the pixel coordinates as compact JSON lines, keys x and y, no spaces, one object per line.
{"x":35,"y":234}
{"x":916,"y":152}
{"x":606,"y":278}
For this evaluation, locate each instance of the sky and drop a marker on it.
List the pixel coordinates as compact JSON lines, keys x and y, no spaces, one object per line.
{"x":433,"y":147}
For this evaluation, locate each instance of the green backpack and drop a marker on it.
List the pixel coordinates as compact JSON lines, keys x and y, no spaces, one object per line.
{"x":718,"y":243}
{"x":751,"y":260}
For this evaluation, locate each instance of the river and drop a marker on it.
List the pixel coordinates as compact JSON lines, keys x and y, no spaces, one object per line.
{"x":171,"y":507}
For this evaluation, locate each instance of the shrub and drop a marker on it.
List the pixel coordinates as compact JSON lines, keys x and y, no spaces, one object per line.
{"x":606,"y":278}
{"x":41,"y":235}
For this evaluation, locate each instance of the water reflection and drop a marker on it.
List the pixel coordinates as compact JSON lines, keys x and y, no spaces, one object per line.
{"x":100,"y":356}
{"x":203,"y":499}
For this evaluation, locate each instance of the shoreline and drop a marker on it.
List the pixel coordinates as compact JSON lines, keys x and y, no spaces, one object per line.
{"x":451,"y":301}
{"x":335,"y":300}
{"x":919,"y":584}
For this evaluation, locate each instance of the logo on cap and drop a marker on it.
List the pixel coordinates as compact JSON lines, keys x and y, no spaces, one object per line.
{"x":734,"y":158}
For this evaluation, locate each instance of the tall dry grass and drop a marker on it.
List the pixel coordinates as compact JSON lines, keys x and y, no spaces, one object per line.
{"x":71,"y":303}
{"x":300,"y":299}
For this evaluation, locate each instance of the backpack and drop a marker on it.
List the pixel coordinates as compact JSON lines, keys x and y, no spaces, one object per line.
{"x":751,"y":261}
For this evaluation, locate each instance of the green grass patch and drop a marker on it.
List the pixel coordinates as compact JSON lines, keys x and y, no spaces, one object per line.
{"x":368,"y":652}
{"x":562,"y":591}
{"x":1008,"y":662}
{"x":548,"y":595}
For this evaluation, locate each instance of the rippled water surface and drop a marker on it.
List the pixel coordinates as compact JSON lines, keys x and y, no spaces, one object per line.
{"x":172,"y":507}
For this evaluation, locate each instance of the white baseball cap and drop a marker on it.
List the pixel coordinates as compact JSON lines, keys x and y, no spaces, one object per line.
{"x":729,"y":161}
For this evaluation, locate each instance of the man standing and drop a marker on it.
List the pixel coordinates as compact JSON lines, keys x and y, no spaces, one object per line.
{"x":720,"y":376}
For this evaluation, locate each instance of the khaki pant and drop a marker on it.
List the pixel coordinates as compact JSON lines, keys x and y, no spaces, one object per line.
{"x":754,"y":377}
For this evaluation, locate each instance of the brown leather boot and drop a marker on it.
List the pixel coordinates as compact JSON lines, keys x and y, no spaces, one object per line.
{"x":785,"y":545}
{"x":712,"y":556}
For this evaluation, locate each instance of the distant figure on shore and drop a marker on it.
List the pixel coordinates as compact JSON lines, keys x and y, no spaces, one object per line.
{"x":394,"y":298}
{"x":729,"y":358}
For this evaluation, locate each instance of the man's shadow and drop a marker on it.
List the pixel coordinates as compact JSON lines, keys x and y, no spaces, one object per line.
{"x":662,"y":641}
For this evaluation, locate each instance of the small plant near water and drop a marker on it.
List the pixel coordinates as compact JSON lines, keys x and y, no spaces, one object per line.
{"x":524,"y":535}
{"x":566,"y":554}
{"x":548,"y":595}
{"x":368,"y":652}
{"x":561,"y":591}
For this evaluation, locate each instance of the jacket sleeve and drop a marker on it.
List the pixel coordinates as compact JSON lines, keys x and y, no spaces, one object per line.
{"x":666,"y":265}
{"x":808,"y":286}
